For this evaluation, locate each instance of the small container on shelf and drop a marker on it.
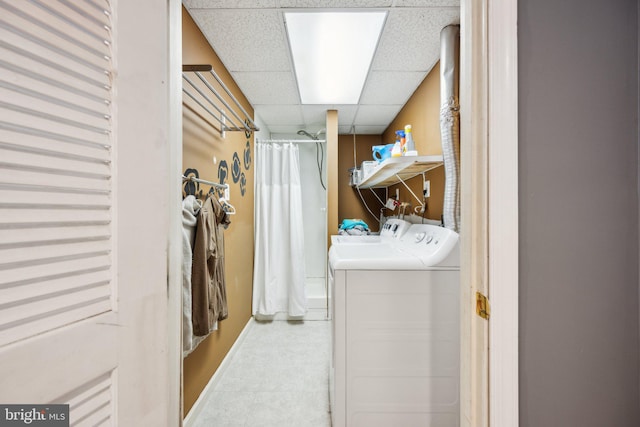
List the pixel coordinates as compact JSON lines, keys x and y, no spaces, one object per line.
{"x":397,"y":147}
{"x":410,"y":146}
{"x":367,"y":168}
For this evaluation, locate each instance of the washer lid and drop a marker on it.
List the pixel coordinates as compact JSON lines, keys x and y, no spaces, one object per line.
{"x":354,"y":240}
{"x":372,"y":257}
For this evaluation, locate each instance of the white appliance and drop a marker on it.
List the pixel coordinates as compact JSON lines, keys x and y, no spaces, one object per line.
{"x":393,"y":228}
{"x":395,"y":331}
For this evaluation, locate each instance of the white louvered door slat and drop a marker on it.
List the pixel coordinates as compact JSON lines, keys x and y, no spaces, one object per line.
{"x":89,"y":404}
{"x":55,"y":166}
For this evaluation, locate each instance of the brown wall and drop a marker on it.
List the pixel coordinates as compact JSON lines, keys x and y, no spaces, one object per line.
{"x":349,"y":204}
{"x":422,"y":112}
{"x":201,"y":143}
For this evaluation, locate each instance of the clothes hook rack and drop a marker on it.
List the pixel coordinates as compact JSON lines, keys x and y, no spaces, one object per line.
{"x":225,"y":187}
{"x":226,"y":205}
{"x":202,"y":98}
{"x":204,"y":181}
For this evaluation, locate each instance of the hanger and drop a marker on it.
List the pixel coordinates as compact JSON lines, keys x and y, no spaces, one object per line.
{"x":227,"y":207}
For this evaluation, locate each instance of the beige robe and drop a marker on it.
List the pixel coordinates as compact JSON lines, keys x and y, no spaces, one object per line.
{"x":208,"y":288}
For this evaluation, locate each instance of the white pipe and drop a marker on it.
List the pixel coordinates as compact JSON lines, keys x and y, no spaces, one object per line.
{"x":450,"y":123}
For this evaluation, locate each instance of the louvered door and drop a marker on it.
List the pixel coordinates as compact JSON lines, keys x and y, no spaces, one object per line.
{"x":70,"y":328}
{"x":55,"y":166}
{"x":56,"y":194}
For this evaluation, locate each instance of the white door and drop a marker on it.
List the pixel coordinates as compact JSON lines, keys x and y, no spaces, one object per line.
{"x":84,"y":213}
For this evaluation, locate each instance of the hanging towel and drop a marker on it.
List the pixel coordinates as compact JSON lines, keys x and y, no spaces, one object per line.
{"x":209,"y":296}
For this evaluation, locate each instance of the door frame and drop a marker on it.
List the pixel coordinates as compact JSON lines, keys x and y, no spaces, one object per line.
{"x":489,"y":183}
{"x":174,"y":232}
{"x":489,"y":194}
{"x":503,"y":212}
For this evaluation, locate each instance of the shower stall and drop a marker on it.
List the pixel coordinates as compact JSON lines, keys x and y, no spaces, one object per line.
{"x":311,"y":212}
{"x":314,"y":216}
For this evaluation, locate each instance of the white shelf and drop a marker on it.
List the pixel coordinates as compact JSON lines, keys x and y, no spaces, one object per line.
{"x":396,"y":169}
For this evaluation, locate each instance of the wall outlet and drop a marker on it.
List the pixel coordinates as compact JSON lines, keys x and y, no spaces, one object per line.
{"x":427,"y":189}
{"x":391,"y":204}
{"x":397,"y":194}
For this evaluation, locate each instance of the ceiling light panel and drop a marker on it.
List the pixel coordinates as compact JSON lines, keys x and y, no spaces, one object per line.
{"x":332,"y":53}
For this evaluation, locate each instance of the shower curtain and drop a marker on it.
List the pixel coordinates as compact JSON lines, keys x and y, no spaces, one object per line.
{"x":279,"y":264}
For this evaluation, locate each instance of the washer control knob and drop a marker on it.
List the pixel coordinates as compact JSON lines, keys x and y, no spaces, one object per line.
{"x":420,"y":237}
{"x":429,"y":238}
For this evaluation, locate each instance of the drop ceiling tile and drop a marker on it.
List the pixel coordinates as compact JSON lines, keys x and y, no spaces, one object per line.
{"x":346,"y":113}
{"x":391,"y":87}
{"x":344,"y":130}
{"x":427,"y":3}
{"x":281,"y":129}
{"x":246,"y":39}
{"x":411,"y":39}
{"x":229,"y":4}
{"x":279,"y":114}
{"x":268,"y":88}
{"x":376,"y":115}
{"x":370,"y":130}
{"x":334,"y":3}
{"x":315,"y":114}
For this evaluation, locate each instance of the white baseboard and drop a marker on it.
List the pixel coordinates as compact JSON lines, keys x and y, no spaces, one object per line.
{"x":196,"y":409}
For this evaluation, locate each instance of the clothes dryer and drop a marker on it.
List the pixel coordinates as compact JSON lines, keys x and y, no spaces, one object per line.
{"x":395,"y":331}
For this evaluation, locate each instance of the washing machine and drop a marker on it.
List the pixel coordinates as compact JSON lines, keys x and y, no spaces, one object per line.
{"x":393,"y":228}
{"x":396,"y":331}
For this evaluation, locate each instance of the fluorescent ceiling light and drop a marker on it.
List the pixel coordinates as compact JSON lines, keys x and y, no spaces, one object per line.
{"x":332,"y":53}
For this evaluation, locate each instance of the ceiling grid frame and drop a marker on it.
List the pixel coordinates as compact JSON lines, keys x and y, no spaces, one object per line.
{"x":257,"y":61}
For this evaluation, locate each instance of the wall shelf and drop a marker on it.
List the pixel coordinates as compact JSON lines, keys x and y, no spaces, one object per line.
{"x":397,"y":169}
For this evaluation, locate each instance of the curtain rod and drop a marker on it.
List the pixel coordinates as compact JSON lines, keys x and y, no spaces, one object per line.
{"x":293,"y":141}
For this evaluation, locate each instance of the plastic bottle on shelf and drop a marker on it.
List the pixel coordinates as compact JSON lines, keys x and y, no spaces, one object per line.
{"x":410,"y":146}
{"x":396,"y":151}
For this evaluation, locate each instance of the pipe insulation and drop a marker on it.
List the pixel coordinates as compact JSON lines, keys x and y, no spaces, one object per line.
{"x":450,"y":123}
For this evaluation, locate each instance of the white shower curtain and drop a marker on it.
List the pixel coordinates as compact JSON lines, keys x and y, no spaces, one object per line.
{"x":279,"y":265}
